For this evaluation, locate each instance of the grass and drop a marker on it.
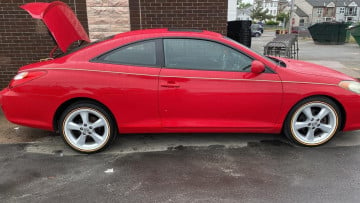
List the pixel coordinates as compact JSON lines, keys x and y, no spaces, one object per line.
{"x":352,"y":40}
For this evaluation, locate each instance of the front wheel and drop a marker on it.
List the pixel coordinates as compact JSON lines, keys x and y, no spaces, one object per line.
{"x":87,"y":127}
{"x":313,"y":121}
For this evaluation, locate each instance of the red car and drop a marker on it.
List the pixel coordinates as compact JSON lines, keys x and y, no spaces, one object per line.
{"x":166,"y":81}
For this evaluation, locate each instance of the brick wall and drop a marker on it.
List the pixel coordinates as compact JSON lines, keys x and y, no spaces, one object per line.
{"x":25,"y":40}
{"x":201,"y":14}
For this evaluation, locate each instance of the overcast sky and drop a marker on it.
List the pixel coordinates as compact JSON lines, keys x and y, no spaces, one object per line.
{"x":248,"y":1}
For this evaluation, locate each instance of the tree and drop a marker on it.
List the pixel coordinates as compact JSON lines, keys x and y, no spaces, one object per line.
{"x":241,"y":4}
{"x":258,"y":13}
{"x":283,"y":17}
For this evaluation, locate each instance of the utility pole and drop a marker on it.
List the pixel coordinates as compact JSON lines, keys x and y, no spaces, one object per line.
{"x":291,"y":16}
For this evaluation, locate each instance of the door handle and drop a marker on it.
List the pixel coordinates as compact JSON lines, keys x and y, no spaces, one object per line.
{"x":170,"y":84}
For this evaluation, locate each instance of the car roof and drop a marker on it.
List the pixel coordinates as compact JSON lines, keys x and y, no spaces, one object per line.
{"x":168,"y":31}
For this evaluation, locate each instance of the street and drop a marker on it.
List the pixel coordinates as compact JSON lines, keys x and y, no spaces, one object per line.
{"x":36,"y":165}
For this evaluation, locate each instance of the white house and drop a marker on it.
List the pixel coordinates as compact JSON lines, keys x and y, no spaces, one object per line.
{"x":232,"y":10}
{"x":271,"y":5}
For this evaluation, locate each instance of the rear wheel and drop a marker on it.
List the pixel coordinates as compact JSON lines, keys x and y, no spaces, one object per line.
{"x":313,"y":121}
{"x":87,"y":127}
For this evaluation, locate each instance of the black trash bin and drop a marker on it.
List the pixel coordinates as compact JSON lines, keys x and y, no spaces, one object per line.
{"x":328,"y":33}
{"x":240,"y":31}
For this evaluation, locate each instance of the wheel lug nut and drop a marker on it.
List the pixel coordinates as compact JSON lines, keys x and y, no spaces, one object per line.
{"x":90,"y":127}
{"x":85,"y":125}
{"x":81,"y":128}
{"x":312,"y":119}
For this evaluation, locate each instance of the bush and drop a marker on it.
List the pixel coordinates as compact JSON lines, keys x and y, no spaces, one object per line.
{"x":271,"y":22}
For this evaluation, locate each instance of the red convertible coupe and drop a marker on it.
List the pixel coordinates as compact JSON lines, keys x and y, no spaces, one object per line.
{"x":167,"y":80}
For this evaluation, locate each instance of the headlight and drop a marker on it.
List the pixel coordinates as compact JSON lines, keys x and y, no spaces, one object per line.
{"x":350,"y":85}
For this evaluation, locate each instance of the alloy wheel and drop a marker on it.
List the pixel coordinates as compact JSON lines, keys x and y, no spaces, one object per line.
{"x":86,"y":129}
{"x":314,"y":123}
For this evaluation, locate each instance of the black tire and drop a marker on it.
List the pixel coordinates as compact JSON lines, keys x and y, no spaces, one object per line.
{"x":314,"y":127}
{"x":95,"y":138}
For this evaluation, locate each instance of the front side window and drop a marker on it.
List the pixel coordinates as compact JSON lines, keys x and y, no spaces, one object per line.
{"x":140,"y":53}
{"x":204,"y":55}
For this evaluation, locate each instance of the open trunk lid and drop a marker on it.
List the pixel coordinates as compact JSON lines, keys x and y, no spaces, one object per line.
{"x":61,"y":21}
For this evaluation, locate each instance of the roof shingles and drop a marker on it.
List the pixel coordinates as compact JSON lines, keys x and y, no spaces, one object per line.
{"x":323,"y":3}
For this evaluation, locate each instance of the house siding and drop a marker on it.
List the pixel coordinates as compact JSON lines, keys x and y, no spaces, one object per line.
{"x":306,"y":7}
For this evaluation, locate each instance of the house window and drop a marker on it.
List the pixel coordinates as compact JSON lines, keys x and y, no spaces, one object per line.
{"x":342,"y":10}
{"x":301,"y":22}
{"x":319,"y":11}
{"x":351,"y":11}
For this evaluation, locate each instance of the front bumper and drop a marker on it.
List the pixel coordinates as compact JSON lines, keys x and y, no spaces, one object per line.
{"x":352,"y":109}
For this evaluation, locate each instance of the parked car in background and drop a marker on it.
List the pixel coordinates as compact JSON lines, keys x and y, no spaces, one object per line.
{"x":257,"y":27}
{"x":256,"y":30}
{"x":255,"y":33}
{"x":171,"y":81}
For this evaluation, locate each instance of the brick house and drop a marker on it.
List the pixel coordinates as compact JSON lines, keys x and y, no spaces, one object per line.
{"x":24,"y":40}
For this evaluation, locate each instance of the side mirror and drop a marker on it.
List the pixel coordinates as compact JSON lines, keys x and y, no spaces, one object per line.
{"x":257,"y":67}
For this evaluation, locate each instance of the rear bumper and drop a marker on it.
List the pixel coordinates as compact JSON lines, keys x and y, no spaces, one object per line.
{"x":1,"y":96}
{"x":24,"y":109}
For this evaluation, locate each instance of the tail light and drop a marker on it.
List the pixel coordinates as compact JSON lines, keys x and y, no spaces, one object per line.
{"x":24,"y":77}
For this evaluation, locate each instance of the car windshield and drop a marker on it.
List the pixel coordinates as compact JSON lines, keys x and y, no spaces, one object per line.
{"x":271,"y":59}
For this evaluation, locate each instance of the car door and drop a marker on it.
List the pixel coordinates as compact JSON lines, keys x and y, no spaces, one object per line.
{"x":134,"y":78}
{"x":206,"y":84}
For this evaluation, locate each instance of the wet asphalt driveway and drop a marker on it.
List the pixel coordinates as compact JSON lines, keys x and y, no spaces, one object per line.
{"x":36,"y":166}
{"x":254,"y":171}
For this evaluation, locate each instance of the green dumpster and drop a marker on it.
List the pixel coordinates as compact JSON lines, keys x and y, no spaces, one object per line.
{"x":328,"y":33}
{"x":355,"y":32}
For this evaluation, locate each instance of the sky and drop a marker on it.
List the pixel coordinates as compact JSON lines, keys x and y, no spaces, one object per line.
{"x":248,"y":1}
